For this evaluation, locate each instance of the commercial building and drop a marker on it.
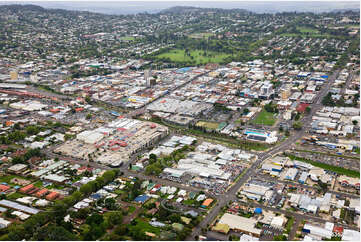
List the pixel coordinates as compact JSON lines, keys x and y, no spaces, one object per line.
{"x":240,"y":224}
{"x":117,"y":141}
{"x":17,"y":206}
{"x":4,"y":223}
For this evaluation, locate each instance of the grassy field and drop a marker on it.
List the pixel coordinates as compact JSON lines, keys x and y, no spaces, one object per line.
{"x":200,"y":35}
{"x":264,"y":118}
{"x":144,"y":226}
{"x":15,"y":195}
{"x":307,"y":30}
{"x":289,"y":224}
{"x":329,"y":154}
{"x":310,"y":35}
{"x":208,"y":125}
{"x":8,"y":178}
{"x":177,"y":55}
{"x":337,"y":169}
{"x":127,"y":38}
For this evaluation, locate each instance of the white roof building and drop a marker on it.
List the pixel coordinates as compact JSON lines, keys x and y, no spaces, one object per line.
{"x":350,"y":235}
{"x":4,"y":223}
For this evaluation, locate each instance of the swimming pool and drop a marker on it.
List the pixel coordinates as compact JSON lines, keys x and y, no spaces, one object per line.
{"x":255,"y":133}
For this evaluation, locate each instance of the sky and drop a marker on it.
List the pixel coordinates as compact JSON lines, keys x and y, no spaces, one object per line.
{"x":151,"y":6}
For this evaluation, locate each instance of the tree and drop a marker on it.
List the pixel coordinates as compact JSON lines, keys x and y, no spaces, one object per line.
{"x":245,"y":111}
{"x":88,"y":116}
{"x":152,"y":158}
{"x":354,"y":122}
{"x":87,"y":99}
{"x":298,"y":116}
{"x":110,"y":204}
{"x":113,"y":218}
{"x":95,"y":218}
{"x":280,"y":237}
{"x":297,"y":125}
{"x":53,"y":232}
{"x":308,"y":110}
{"x":31,"y":130}
{"x":109,"y":176}
{"x":328,"y":101}
{"x":82,"y":213}
{"x":86,"y":189}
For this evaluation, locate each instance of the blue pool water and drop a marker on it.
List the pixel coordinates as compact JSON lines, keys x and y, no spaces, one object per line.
{"x":256,"y":133}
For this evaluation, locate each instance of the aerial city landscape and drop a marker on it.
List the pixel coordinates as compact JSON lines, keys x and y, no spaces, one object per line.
{"x":179,"y":123}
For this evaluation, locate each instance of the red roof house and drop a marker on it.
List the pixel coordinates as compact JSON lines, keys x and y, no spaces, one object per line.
{"x":27,"y":188}
{"x":42,"y":192}
{"x":4,"y":188}
{"x":302,"y":107}
{"x":52,"y":196}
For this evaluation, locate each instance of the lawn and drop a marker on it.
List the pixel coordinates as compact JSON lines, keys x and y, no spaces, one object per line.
{"x":38,"y":184}
{"x":264,"y":118}
{"x":308,"y":34}
{"x":307,"y":30}
{"x":191,"y":202}
{"x":55,"y":186}
{"x":127,"y":38}
{"x":177,"y":55}
{"x":118,"y":192}
{"x":8,"y":178}
{"x":15,"y":195}
{"x":289,"y":224}
{"x":337,"y":169}
{"x":143,"y":226}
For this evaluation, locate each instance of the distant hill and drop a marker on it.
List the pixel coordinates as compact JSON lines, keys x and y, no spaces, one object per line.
{"x":345,"y":10}
{"x":22,"y":7}
{"x":189,"y":9}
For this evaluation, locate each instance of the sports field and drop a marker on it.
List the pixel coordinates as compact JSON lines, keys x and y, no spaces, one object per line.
{"x":264,"y":118}
{"x":307,"y":30}
{"x":127,"y":38}
{"x":208,"y":125}
{"x":200,"y":35}
{"x":178,"y":55}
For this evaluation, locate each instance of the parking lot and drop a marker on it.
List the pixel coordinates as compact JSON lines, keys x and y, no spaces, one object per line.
{"x":347,"y":163}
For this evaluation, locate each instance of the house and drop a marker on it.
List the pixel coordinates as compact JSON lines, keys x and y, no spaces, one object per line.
{"x":178,"y":227}
{"x":42,"y":192}
{"x":207,"y":202}
{"x":141,"y":198}
{"x":4,"y":188}
{"x":222,"y":228}
{"x":27,"y":188}
{"x":51,"y":196}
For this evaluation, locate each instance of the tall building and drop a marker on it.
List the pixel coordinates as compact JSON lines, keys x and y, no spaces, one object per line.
{"x":285,"y":93}
{"x":14,"y":75}
{"x":147,"y":74}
